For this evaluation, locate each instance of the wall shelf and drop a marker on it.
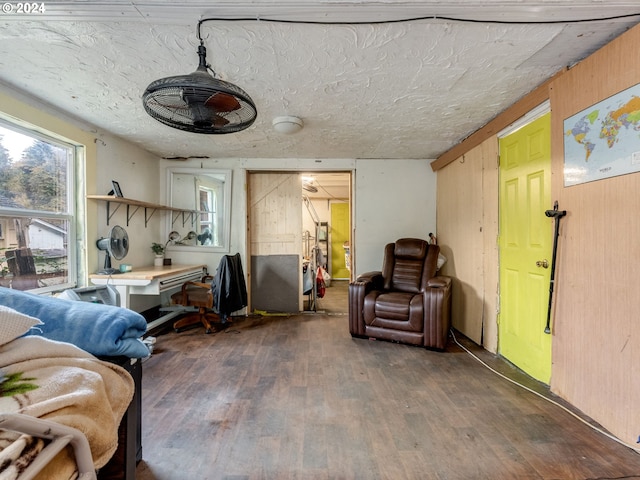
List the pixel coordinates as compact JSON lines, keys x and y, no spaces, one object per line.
{"x":149,"y":209}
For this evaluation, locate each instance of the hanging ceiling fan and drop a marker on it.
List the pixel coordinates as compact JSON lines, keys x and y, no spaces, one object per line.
{"x":199,"y":102}
{"x":116,"y":245}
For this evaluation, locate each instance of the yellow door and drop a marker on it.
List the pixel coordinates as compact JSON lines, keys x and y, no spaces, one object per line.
{"x":339,"y":234}
{"x":526,"y":236}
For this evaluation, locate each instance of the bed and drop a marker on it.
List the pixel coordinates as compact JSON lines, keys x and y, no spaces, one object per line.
{"x":50,"y":372}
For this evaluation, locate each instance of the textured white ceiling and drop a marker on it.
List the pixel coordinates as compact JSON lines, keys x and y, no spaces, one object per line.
{"x":392,"y":90}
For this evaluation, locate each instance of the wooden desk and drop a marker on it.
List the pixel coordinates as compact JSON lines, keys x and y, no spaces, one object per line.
{"x":150,"y":280}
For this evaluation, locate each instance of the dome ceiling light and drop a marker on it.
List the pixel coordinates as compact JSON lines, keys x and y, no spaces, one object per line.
{"x":287,"y":124}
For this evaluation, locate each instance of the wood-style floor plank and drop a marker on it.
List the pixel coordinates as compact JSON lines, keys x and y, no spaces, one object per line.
{"x":297,"y":398}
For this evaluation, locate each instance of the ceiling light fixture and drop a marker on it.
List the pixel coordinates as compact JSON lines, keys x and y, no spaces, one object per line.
{"x":199,"y":102}
{"x":307,"y":184}
{"x":287,"y":124}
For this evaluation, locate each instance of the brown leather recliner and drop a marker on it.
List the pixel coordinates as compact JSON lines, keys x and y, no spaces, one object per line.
{"x":406,"y":302}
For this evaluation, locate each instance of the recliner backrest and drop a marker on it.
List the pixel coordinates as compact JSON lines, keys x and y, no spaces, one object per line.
{"x":408,"y":264}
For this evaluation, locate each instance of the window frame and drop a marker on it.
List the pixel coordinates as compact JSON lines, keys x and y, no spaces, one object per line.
{"x":223,"y":216}
{"x":73,"y":214}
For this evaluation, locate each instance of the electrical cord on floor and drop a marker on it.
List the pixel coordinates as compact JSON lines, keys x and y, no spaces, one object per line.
{"x":599,"y":430}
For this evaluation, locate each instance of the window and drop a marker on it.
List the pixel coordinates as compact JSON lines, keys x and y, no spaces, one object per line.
{"x":208,"y":193}
{"x":37,"y":211}
{"x":207,"y":215}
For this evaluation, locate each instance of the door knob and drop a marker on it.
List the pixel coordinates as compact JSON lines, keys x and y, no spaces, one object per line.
{"x":544,"y":263}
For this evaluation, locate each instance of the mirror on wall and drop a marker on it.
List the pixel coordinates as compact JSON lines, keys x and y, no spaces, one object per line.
{"x":204,"y":199}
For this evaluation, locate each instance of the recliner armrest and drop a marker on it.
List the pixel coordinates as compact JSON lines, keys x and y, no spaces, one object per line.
{"x":439,"y":282}
{"x":437,"y":301}
{"x":373,"y":278}
{"x":357,"y":291}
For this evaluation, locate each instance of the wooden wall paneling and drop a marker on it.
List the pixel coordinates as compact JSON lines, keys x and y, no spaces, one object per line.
{"x":595,"y":322}
{"x":275,"y":213}
{"x":275,"y":228}
{"x":596,"y":332}
{"x":490,"y":230}
{"x":460,"y":221}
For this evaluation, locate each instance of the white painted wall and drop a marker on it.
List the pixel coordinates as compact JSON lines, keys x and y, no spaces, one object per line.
{"x":393,"y":199}
{"x":138,"y":174}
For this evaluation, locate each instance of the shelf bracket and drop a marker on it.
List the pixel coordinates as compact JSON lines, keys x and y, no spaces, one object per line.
{"x":189,"y":215}
{"x":148,"y":217}
{"x":130,"y":216}
{"x":111,"y":214}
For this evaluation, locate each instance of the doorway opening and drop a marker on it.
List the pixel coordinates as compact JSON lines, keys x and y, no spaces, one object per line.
{"x":326,"y":230}
{"x":299,"y":230}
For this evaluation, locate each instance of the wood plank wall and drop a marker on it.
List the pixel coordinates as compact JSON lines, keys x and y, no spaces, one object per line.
{"x":596,"y":344}
{"x":467,"y":218}
{"x":596,"y":336}
{"x":274,"y":224}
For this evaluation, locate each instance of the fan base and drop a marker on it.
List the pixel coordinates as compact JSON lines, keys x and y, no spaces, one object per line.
{"x":108,"y":271}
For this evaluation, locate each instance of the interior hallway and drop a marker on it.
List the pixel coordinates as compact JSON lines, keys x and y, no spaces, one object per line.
{"x":295,"y":397}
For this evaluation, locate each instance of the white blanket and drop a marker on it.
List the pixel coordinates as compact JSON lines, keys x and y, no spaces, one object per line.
{"x":64,"y":384}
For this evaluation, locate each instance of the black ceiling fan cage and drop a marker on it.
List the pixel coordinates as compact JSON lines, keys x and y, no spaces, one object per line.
{"x":199,"y":102}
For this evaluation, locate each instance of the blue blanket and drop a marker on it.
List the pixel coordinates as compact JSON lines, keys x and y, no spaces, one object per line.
{"x":101,"y":330}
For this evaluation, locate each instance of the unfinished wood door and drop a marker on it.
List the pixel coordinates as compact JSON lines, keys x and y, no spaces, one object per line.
{"x":275,"y":241}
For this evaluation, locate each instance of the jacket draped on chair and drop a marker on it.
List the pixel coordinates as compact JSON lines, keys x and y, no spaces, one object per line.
{"x":229,"y":287}
{"x":216,"y":298}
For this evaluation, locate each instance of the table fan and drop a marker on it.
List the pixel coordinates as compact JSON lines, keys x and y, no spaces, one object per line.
{"x":115,"y":245}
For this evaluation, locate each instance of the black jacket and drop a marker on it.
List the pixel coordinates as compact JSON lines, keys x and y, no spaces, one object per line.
{"x":228,"y":286}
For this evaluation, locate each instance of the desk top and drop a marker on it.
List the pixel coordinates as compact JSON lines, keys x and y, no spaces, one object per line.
{"x":149,"y":272}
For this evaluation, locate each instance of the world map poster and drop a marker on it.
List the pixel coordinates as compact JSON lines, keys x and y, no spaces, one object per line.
{"x":604,"y":140}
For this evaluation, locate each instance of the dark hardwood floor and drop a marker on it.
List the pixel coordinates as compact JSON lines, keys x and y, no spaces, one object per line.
{"x":297,"y":398}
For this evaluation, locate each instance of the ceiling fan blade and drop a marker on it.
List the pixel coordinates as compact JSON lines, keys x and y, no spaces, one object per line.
{"x":222,"y":102}
{"x":219,"y":121}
